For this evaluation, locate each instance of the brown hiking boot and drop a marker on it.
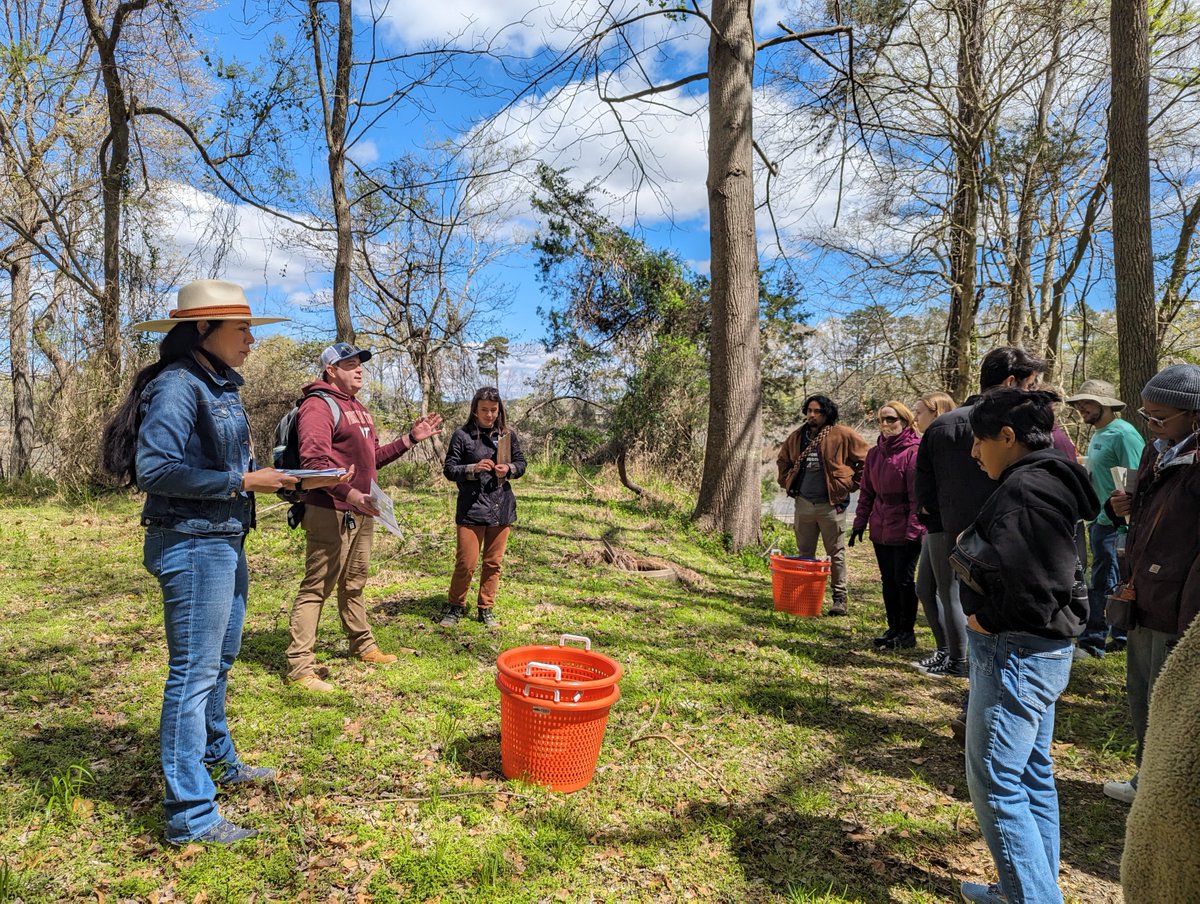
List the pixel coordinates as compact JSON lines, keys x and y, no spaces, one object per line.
{"x":313,"y":683}
{"x":377,"y":657}
{"x":838,"y":607}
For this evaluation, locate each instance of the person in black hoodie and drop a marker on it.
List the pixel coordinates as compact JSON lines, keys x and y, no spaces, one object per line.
{"x":484,"y":456}
{"x":1019,"y":569}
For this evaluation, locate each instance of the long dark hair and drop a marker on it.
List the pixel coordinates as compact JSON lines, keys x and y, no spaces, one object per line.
{"x":118,"y":446}
{"x":486,"y":394}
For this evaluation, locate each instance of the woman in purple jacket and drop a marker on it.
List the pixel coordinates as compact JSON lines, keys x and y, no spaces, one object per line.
{"x":886,"y":504}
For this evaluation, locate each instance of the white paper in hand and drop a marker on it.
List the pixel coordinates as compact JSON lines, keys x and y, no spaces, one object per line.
{"x":387,"y":509}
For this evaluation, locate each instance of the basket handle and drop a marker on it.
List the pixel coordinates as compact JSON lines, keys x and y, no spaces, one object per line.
{"x":577,"y":638}
{"x":550,"y":667}
{"x":774,"y":551}
{"x":527,"y":687}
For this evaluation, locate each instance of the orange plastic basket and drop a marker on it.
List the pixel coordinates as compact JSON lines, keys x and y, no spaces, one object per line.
{"x":552,"y":725}
{"x":798,"y":584}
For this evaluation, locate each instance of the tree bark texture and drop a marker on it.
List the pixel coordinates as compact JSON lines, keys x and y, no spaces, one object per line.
{"x":336,"y":116}
{"x":20,"y":459}
{"x":964,"y":210}
{"x":114,"y":164}
{"x":1020,"y":287}
{"x":730,"y":488}
{"x":1129,"y":159}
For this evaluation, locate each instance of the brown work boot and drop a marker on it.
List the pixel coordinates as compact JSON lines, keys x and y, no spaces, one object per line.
{"x":838,"y":607}
{"x":376,"y":657}
{"x":313,"y":683}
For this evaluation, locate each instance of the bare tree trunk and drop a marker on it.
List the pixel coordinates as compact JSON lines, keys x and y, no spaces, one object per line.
{"x":113,"y":167}
{"x":20,"y":459}
{"x":41,"y":333}
{"x":1020,"y":287}
{"x":1053,"y":305}
{"x":1129,"y":157}
{"x":336,"y":108}
{"x":964,"y":213}
{"x":730,"y":488}
{"x":1173,"y":299}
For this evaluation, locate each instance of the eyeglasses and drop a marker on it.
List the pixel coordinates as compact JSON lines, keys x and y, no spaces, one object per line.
{"x":1159,"y":421}
{"x":353,"y":364}
{"x":888,"y":419}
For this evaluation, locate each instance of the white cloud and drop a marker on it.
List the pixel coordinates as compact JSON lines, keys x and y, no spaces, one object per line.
{"x":518,"y":370}
{"x":364,"y":152}
{"x":242,"y":244}
{"x":650,"y":162}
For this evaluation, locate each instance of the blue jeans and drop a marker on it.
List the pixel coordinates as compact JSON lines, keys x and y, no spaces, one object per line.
{"x":1016,"y":679}
{"x":1105,"y":577}
{"x":204,"y":582}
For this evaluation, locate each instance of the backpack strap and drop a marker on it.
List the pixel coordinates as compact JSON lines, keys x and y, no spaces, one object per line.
{"x":334,"y":408}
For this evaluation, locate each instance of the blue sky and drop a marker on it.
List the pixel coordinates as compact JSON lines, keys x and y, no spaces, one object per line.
{"x":566,"y":127}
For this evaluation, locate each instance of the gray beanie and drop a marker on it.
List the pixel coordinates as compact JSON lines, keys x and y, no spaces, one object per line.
{"x":1177,"y":386}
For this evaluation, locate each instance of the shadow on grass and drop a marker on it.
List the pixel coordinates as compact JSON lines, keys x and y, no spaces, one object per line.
{"x":478,"y":753}
{"x":123,"y":761}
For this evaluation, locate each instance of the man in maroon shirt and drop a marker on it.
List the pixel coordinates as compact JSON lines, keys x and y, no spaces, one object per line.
{"x":338,"y":520}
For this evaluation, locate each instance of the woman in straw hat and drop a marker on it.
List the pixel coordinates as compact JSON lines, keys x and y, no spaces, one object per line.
{"x":181,"y":435}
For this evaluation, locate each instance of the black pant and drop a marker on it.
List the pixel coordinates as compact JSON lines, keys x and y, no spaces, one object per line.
{"x":898,"y":565}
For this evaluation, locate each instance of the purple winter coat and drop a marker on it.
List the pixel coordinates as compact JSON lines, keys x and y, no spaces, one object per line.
{"x":887,"y":497}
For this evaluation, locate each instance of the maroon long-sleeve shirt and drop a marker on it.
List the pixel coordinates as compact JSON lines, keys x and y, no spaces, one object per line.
{"x":352,"y":442}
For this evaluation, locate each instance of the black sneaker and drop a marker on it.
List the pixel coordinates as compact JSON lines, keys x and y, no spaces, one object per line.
{"x":936,"y":658}
{"x":1115,"y":646}
{"x":885,"y":639}
{"x":949,"y":668}
{"x":487,"y":618}
{"x":452,"y":615}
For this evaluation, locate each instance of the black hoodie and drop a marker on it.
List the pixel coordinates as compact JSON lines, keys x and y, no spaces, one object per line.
{"x":1028,"y":523}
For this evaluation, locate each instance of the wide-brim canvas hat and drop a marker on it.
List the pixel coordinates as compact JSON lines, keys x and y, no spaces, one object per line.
{"x":1099,"y":391}
{"x":207,"y":299}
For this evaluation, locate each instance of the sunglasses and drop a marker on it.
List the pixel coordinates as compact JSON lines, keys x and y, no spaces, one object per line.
{"x":888,"y":419}
{"x":1159,"y":421}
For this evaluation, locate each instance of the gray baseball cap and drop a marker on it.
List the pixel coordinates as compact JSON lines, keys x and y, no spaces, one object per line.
{"x":342,"y":351}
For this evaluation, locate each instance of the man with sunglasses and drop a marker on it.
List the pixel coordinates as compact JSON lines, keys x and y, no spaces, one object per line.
{"x":338,"y":521}
{"x":1161,"y":564}
{"x":1114,"y":443}
{"x":820,"y":465}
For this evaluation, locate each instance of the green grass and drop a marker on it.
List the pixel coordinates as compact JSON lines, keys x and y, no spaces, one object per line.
{"x":752,"y":756}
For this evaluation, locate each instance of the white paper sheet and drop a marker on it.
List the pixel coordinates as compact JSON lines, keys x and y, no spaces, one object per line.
{"x":387,"y":509}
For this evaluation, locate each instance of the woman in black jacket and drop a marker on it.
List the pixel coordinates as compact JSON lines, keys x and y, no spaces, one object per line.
{"x":484,"y":456}
{"x":1021,"y":585}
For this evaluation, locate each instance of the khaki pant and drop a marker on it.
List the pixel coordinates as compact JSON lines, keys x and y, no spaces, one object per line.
{"x":813,"y":518}
{"x":471,"y":537}
{"x":338,"y":556}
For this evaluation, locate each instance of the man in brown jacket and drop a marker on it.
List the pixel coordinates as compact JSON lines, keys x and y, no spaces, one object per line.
{"x":820,"y":465}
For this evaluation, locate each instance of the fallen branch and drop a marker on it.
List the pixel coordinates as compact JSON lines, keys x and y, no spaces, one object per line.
{"x":688,"y":756}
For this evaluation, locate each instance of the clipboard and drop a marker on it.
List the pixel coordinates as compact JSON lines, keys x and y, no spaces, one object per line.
{"x":504,"y":451}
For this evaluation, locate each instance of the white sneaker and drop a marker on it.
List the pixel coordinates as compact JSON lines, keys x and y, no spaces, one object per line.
{"x":1122,"y":791}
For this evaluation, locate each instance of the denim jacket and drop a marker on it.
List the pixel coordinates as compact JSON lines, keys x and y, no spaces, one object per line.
{"x":193,"y":448}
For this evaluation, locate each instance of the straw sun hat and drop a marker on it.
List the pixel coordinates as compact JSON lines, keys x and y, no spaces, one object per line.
{"x":207,"y":299}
